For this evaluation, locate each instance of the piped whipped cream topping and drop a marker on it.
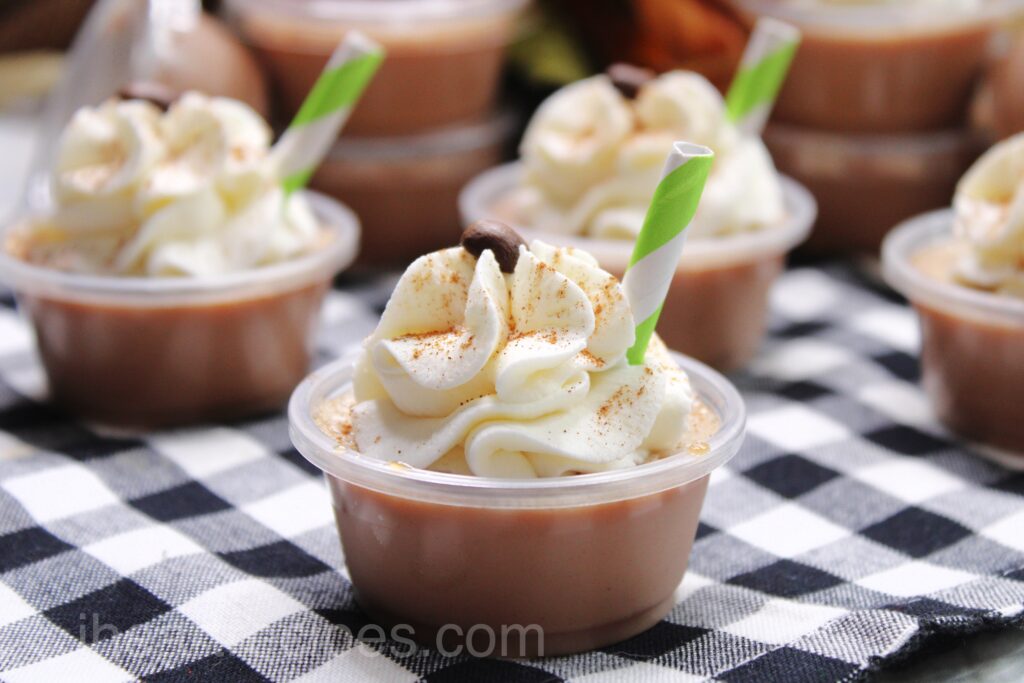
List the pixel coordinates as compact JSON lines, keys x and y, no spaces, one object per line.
{"x":593,"y":158}
{"x":514,"y":375}
{"x":989,"y":210}
{"x":187,"y":192}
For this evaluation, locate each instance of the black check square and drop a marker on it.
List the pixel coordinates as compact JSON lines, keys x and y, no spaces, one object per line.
{"x":803,"y":391}
{"x":221,"y":666}
{"x":786,"y":578}
{"x":281,"y":560}
{"x":916,"y":532}
{"x":27,"y":546}
{"x":186,"y":500}
{"x":901,"y":365}
{"x":907,"y":440}
{"x":663,"y":637}
{"x":790,"y":664}
{"x":105,"y":613}
{"x":790,"y":475}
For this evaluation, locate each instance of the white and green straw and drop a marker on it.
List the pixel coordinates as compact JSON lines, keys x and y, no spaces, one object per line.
{"x":761,"y":74}
{"x":660,"y":242}
{"x":325,"y":110}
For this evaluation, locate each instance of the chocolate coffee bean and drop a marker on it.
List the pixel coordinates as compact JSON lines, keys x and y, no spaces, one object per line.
{"x":503,"y":241}
{"x":628,"y":79}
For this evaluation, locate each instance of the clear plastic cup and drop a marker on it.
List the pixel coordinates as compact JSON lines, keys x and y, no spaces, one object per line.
{"x":972,"y":342}
{"x":865,"y":184}
{"x":549,"y":566}
{"x":150,"y":352}
{"x":717,"y":305}
{"x":892,"y":67}
{"x":444,"y":57}
{"x":405,"y":190}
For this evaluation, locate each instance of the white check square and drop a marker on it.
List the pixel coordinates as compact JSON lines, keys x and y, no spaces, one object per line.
{"x":796,"y":428}
{"x":892,"y":325}
{"x":12,"y":606}
{"x":233,"y":612}
{"x":788,"y":530}
{"x":133,"y":550}
{"x":82,"y":664}
{"x":293,"y":511}
{"x":203,"y":452}
{"x":783,"y":621}
{"x":802,"y":359}
{"x":804,"y":295}
{"x":901,"y":402}
{"x":915,"y":578}
{"x":1009,"y":531}
{"x":14,"y":334}
{"x":60,"y":492}
{"x":909,"y":480}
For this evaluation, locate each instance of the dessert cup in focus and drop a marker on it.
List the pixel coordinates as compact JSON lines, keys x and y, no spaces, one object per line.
{"x":168,"y":275}
{"x":502,"y":475}
{"x":717,"y":306}
{"x":405,"y":189}
{"x":591,"y":559}
{"x":443,"y":65}
{"x":883,"y":66}
{"x":963,"y":271}
{"x":865,"y":184}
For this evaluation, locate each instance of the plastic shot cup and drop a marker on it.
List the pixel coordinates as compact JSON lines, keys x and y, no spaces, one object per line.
{"x":544,"y":566}
{"x":154,"y":352}
{"x":972,"y":342}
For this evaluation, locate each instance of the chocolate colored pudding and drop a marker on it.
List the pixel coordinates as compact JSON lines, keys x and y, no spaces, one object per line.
{"x":883,"y":68}
{"x":972,"y":367}
{"x":441,"y":67}
{"x":151,"y":367}
{"x":405,"y":191}
{"x":587,"y":575}
{"x":866,"y":184}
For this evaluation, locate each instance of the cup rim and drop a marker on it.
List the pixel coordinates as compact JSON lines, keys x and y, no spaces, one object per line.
{"x":376,"y":12}
{"x":323,"y":263}
{"x":918,"y":232}
{"x":880,"y":20}
{"x":481,"y":192}
{"x":491,"y":492}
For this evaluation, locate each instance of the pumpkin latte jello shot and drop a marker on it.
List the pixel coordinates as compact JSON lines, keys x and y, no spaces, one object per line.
{"x":496,"y":464}
{"x":963,"y":270}
{"x":591,"y":158}
{"x":170,"y":279}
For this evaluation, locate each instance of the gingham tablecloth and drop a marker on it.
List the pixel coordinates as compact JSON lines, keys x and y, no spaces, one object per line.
{"x":849,"y":530}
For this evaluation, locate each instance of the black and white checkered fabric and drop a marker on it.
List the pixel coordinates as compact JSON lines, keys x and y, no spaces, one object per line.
{"x":850,"y":529}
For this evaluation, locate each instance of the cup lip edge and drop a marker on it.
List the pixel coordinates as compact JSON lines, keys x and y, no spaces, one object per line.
{"x":498,"y":493}
{"x":335,"y":256}
{"x":911,"y":235}
{"x":372,"y":13}
{"x":874,"y":21}
{"x":698,"y":254}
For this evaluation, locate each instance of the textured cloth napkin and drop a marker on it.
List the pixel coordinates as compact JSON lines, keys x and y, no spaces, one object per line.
{"x":849,"y":530}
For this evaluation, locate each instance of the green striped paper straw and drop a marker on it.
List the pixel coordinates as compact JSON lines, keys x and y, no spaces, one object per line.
{"x":761,"y":74}
{"x":325,"y":110}
{"x":660,"y":241}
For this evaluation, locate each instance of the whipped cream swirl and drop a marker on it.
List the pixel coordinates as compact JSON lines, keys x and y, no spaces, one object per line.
{"x":517,"y":375}
{"x":593,"y":158}
{"x":189,"y":192}
{"x":989,"y":211}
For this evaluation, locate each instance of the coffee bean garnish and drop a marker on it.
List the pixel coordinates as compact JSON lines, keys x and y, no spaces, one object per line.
{"x":628,"y":79}
{"x":148,"y":91}
{"x":503,"y":241}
